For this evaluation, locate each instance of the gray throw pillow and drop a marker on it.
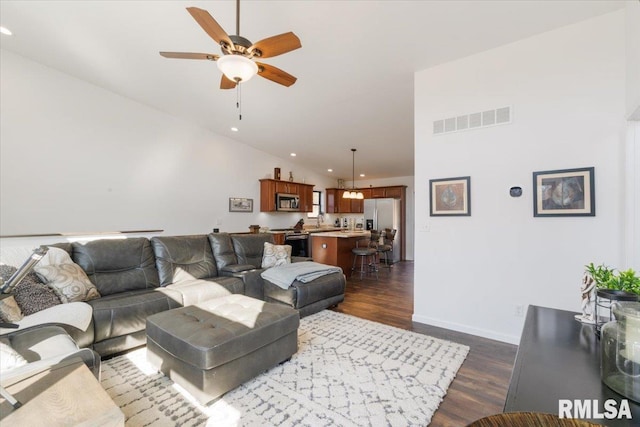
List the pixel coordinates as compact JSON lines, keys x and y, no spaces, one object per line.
{"x":30,"y":294}
{"x":6,"y":271}
{"x":33,"y":296}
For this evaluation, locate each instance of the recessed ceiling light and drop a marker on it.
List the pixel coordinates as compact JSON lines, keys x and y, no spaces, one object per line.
{"x":361,"y":175}
{"x":234,"y":129}
{"x":293,"y":154}
{"x":5,"y":31}
{"x":329,"y":170}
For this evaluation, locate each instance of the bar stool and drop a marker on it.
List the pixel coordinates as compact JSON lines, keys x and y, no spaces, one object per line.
{"x":367,"y":254}
{"x":387,"y":246}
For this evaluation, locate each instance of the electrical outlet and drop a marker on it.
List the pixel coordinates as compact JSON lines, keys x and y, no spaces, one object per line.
{"x":519,"y":311}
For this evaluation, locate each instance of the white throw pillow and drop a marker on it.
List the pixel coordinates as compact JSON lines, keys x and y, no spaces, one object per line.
{"x":275,"y":255}
{"x":67,"y":279}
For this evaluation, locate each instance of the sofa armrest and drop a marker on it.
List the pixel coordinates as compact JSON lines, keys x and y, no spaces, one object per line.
{"x":234,"y":269}
{"x":253,"y":283}
{"x":43,"y":347}
{"x":301,"y":259}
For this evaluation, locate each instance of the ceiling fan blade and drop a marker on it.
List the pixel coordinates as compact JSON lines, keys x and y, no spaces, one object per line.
{"x":226,"y":83}
{"x":210,"y":25}
{"x":275,"y":74}
{"x":188,"y":55}
{"x":276,"y":45}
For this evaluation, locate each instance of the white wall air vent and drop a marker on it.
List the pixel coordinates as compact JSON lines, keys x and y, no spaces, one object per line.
{"x":499,"y":116}
{"x":462,"y":122}
{"x":475,"y":120}
{"x":489,"y":118}
{"x":450,"y":124}
{"x":503,"y":115}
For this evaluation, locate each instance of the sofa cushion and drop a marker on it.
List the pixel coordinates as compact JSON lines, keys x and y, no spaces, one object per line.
{"x":189,"y":292}
{"x":222,"y":249}
{"x":118,"y":265}
{"x":180,"y":258}
{"x":249,"y":247}
{"x":126,"y":312}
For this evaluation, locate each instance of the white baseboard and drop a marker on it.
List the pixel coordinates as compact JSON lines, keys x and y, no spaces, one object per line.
{"x":511,"y":339}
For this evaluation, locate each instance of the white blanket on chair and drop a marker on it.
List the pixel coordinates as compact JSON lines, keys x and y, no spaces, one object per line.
{"x":285,"y":275}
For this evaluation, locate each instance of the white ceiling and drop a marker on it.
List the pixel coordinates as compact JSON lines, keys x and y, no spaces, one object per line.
{"x":355,"y":69}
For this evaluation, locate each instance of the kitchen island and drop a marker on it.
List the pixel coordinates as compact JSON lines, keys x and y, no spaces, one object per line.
{"x":334,"y":247}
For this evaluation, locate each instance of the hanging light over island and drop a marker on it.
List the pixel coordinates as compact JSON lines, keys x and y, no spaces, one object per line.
{"x":353,"y":194}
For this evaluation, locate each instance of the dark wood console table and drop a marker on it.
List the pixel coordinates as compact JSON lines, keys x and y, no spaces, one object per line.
{"x":559,"y":358}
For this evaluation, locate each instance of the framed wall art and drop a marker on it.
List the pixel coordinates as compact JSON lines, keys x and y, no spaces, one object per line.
{"x":237,"y":204}
{"x":450,"y":196}
{"x":567,"y":192}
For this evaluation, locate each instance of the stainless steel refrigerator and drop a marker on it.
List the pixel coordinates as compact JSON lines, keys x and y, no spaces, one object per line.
{"x":384,"y":213}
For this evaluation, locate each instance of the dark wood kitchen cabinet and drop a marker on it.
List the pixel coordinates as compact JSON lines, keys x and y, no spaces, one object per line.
{"x":270,"y":187}
{"x":335,"y":203}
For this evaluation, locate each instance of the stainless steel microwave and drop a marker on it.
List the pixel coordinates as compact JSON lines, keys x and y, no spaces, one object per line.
{"x":287,"y":202}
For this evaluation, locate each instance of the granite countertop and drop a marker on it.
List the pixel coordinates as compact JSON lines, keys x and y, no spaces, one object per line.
{"x":322,"y":229}
{"x":343,"y":234}
{"x":309,"y":230}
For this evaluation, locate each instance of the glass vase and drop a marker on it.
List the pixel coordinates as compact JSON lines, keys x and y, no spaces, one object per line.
{"x":620,"y":356}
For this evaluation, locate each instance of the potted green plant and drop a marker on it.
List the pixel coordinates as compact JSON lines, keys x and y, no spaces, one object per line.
{"x":606,"y":278}
{"x":611,"y":286}
{"x":629,"y":281}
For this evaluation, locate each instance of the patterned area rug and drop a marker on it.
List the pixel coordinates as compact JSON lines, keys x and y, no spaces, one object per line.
{"x":347,"y":372}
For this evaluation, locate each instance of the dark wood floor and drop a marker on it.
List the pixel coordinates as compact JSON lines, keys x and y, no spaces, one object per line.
{"x":480,"y":387}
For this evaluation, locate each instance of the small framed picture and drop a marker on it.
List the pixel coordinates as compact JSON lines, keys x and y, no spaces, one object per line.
{"x":237,"y":204}
{"x":450,"y":196}
{"x":567,"y":192}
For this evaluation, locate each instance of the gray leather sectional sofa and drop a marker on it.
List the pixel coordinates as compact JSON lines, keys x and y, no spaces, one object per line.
{"x":139,"y":277}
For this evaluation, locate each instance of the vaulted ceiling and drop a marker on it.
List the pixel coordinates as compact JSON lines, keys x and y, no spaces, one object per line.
{"x":355,"y":69}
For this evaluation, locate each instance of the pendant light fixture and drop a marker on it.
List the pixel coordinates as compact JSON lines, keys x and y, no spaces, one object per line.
{"x":353,"y":194}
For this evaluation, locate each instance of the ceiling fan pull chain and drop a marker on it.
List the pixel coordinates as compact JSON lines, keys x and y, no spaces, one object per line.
{"x":239,"y":100}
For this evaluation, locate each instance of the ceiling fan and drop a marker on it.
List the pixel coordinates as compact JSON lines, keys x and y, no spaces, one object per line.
{"x":237,"y":61}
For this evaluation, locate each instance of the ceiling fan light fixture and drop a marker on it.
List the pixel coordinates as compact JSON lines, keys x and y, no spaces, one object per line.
{"x":237,"y":68}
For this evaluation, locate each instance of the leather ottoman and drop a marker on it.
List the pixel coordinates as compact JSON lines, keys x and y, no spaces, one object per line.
{"x":212,"y":347}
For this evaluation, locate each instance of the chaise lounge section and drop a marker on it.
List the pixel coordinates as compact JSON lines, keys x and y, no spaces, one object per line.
{"x":307,"y":298}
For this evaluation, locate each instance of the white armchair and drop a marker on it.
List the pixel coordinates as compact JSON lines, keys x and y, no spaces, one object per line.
{"x":39,"y":348}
